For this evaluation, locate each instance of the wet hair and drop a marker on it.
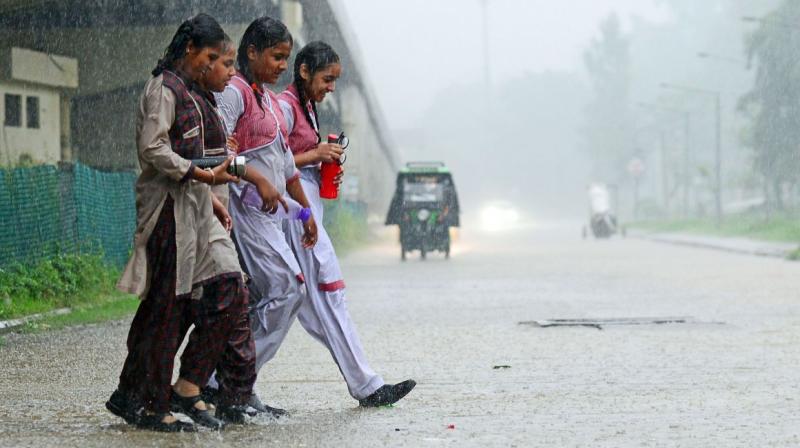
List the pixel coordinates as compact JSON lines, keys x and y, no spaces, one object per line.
{"x":227,"y":43}
{"x":317,"y":55}
{"x":264,"y":32}
{"x":201,"y":30}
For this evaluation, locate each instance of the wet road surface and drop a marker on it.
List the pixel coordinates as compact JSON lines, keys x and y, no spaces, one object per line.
{"x":449,"y":323}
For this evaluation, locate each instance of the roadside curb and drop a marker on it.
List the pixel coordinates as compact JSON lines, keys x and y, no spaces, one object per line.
{"x":7,"y":326}
{"x":733,"y":245}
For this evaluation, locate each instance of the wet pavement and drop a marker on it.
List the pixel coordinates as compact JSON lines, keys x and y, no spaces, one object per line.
{"x":449,"y":323}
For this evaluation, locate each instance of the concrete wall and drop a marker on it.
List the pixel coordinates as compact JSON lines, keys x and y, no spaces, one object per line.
{"x":370,"y":175}
{"x":373,"y":158}
{"x":43,"y":68}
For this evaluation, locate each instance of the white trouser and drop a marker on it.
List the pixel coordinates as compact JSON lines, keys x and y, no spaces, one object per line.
{"x":324,"y":314}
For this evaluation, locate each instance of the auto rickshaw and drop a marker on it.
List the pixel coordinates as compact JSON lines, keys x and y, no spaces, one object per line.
{"x":425,"y":206}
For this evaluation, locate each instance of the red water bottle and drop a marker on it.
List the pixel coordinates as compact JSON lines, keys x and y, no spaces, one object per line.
{"x":328,"y":189}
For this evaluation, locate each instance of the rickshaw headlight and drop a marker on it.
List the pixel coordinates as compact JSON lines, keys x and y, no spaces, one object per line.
{"x":423,"y":214}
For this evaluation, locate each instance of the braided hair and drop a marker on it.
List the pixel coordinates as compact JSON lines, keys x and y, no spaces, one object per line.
{"x":263,"y":32}
{"x":201,"y":30}
{"x":316,"y":56}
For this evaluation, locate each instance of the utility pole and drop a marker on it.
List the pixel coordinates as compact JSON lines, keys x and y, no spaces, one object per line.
{"x":718,"y":149}
{"x":687,"y":175}
{"x":718,"y":163}
{"x":718,"y":157}
{"x":664,"y":176}
{"x":487,"y":82}
{"x":686,"y":178}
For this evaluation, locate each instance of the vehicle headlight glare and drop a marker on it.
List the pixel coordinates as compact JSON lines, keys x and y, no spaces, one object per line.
{"x":423,"y":214}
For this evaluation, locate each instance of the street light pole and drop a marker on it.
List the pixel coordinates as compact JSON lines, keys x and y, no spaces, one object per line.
{"x":687,"y":176}
{"x":718,"y":149}
{"x":685,"y":171}
{"x":664,"y":176}
{"x":718,"y":163}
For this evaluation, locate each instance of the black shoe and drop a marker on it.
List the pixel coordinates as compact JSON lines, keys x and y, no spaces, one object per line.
{"x":123,"y":406}
{"x":256,"y":405}
{"x":186,"y":406}
{"x":155,"y":423}
{"x":236,"y":415}
{"x":388,"y":394}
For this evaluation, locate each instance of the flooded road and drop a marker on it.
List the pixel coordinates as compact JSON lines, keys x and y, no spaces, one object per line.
{"x":448,"y":324}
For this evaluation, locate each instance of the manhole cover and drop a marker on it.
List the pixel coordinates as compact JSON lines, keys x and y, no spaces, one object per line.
{"x":599,"y":323}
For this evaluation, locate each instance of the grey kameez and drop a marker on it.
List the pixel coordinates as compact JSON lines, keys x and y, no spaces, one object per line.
{"x":204,"y":249}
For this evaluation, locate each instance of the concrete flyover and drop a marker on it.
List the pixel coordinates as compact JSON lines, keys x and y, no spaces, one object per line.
{"x":117,"y":42}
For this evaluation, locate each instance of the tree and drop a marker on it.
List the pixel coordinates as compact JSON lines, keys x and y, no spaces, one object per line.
{"x":773,"y":103}
{"x":607,"y":125}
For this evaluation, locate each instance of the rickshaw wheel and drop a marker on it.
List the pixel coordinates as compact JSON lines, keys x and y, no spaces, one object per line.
{"x":447,"y":249}
{"x":422,"y":252}
{"x":402,"y":253}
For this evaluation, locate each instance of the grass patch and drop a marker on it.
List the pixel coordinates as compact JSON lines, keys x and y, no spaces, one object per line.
{"x":779,"y":228}
{"x":66,"y":280}
{"x":346,"y":224}
{"x":114,"y":307}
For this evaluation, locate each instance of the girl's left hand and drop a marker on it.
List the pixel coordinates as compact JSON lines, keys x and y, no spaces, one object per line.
{"x":310,"y":233}
{"x":222,"y":214}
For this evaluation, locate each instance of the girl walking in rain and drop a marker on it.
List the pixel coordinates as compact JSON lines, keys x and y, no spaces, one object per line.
{"x":324,"y":313}
{"x":184,"y":264}
{"x":252,"y":115}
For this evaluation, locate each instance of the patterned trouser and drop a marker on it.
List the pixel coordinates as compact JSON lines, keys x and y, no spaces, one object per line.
{"x":213,"y":317}
{"x":162,"y":320}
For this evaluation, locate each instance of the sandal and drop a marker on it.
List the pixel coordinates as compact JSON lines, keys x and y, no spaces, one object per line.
{"x":209,"y":395}
{"x":155,"y":422}
{"x":186,"y":406}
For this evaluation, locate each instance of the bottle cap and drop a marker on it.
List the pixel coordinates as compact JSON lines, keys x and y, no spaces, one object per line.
{"x":333,"y":138}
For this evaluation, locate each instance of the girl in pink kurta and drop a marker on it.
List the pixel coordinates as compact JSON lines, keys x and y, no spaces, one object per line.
{"x":252,"y":115}
{"x":324,"y":314}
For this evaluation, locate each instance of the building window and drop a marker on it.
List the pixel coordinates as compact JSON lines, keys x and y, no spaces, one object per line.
{"x":32,"y":112}
{"x":13,"y":110}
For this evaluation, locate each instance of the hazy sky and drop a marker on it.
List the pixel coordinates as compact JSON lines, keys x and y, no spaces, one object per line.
{"x":413,"y":48}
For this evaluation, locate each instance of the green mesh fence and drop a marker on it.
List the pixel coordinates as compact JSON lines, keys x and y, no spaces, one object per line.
{"x":46,"y":210}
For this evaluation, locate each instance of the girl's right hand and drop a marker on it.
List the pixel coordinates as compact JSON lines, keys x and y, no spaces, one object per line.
{"x":270,"y":197}
{"x":231,"y":144}
{"x":328,"y":152}
{"x":221,"y":175}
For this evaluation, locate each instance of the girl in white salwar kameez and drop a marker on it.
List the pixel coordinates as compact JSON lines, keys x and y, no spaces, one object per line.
{"x":324,"y":313}
{"x":252,"y":115}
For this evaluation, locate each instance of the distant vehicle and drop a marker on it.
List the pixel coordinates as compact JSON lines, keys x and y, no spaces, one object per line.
{"x":425,"y":206}
{"x":602,"y":219}
{"x":498,"y":216}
